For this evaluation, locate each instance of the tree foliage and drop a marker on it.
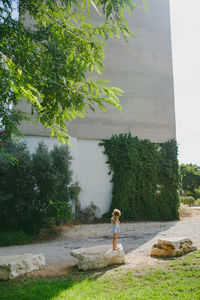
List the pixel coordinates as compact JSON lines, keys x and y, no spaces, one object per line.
{"x":52,"y":63}
{"x":190,"y":175}
{"x":38,"y":190}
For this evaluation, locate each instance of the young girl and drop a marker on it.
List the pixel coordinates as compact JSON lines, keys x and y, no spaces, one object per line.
{"x":115,"y":227}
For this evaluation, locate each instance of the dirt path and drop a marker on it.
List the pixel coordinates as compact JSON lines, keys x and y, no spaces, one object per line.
{"x":137,"y":240}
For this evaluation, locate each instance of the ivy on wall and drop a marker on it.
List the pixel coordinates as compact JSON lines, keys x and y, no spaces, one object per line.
{"x":145,"y":178}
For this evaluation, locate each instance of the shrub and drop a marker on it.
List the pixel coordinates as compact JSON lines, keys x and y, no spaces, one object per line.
{"x":17,"y":189}
{"x":15,"y":238}
{"x":60,"y":199}
{"x":37,"y":191}
{"x":52,"y":174}
{"x":193,"y":193}
{"x":145,"y":178}
{"x":88,"y":214}
{"x":196,"y":193}
{"x":189,"y":200}
{"x":197,"y":202}
{"x":188,"y":193}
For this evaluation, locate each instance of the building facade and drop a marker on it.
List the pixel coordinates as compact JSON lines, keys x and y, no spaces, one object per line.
{"x":143,"y":69}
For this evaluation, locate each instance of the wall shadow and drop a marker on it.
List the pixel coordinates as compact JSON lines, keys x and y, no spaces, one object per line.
{"x":131,"y":240}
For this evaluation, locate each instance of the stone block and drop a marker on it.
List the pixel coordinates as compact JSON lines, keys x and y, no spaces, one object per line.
{"x":172,"y":247}
{"x":15,"y":265}
{"x":98,"y":257}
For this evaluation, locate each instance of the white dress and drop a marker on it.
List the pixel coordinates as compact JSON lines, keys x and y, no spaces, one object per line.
{"x":115,"y":227}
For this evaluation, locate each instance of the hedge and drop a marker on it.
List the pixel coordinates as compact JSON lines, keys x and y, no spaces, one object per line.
{"x":145,"y":178}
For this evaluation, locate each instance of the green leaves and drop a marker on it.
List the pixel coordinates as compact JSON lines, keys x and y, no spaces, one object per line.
{"x":145,"y":4}
{"x":145,"y":178}
{"x":45,"y":179}
{"x":190,"y":175}
{"x":49,"y":64}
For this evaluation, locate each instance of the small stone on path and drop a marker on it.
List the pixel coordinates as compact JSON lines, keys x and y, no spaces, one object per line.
{"x":172,"y":247}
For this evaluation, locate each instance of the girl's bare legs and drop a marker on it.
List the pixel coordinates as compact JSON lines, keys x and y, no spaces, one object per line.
{"x":115,"y":236}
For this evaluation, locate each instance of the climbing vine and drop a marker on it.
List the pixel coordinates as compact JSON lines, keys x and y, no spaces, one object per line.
{"x":145,"y":178}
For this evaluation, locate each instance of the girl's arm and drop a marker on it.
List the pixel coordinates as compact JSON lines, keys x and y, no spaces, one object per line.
{"x":113,"y":220}
{"x":117,"y":220}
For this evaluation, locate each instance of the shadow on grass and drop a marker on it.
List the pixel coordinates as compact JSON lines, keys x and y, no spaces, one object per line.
{"x":85,"y":285}
{"x":49,"y":287}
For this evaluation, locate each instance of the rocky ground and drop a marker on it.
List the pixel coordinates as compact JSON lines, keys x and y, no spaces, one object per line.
{"x":137,"y":239}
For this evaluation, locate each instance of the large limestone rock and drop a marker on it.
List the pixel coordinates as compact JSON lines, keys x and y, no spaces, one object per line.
{"x":15,"y":265}
{"x":98,"y":257}
{"x":172,"y":247}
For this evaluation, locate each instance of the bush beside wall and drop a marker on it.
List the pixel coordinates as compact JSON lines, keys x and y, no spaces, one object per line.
{"x":37,"y":191}
{"x":15,"y":238}
{"x":145,"y":178}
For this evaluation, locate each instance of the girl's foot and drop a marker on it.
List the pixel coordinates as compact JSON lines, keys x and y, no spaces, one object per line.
{"x":116,"y":248}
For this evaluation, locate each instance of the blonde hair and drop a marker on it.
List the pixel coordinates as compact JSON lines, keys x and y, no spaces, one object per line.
{"x":116,"y":212}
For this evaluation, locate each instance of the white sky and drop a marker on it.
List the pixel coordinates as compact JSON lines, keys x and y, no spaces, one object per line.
{"x":185,"y":27}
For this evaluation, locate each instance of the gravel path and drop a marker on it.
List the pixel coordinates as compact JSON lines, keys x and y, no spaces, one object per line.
{"x":137,"y":240}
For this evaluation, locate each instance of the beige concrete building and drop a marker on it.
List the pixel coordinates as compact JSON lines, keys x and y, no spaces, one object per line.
{"x":143,"y":69}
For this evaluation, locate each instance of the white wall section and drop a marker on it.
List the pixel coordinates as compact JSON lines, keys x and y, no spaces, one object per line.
{"x":89,"y":169}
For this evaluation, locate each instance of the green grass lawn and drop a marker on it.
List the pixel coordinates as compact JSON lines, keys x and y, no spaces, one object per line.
{"x":180,"y":279}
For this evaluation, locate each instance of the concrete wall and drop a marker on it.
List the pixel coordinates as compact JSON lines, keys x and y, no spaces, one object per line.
{"x":143,"y":69}
{"x":89,"y":169}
